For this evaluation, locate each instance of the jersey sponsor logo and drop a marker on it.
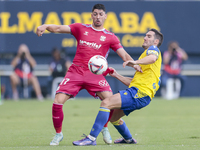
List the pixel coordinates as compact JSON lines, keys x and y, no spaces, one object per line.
{"x":102,"y":38}
{"x":92,"y":45}
{"x":103,"y":83}
{"x":86,"y":33}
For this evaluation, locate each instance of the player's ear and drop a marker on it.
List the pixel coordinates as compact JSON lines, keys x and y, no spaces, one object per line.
{"x":105,"y":16}
{"x":156,"y":41}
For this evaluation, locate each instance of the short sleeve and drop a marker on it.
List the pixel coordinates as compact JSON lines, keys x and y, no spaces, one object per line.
{"x":153,"y":50}
{"x":75,"y":29}
{"x":115,"y":45}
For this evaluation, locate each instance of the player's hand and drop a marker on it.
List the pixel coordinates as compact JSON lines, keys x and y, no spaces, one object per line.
{"x":40,"y":30}
{"x":138,"y":68}
{"x":113,"y":72}
{"x":108,"y":71}
{"x":130,"y":63}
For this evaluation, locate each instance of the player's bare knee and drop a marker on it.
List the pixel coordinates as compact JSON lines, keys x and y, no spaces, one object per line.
{"x":61,"y":98}
{"x":58,"y":100}
{"x":105,"y":103}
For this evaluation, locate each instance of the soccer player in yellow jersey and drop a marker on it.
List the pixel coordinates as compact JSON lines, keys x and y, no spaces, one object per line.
{"x":142,"y":88}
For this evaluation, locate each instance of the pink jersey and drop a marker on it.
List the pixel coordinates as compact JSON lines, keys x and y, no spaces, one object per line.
{"x":92,"y":42}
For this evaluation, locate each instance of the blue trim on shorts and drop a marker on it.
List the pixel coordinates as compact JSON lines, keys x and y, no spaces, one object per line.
{"x":130,"y":102}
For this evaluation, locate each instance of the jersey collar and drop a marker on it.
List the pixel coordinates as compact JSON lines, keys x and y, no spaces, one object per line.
{"x":97,"y":29}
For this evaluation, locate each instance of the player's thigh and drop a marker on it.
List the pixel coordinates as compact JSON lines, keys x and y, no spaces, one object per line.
{"x":72,"y":83}
{"x":103,"y":95}
{"x":112,"y":102}
{"x":96,"y":85}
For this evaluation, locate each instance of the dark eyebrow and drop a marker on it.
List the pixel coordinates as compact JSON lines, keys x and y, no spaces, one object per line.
{"x":148,"y":34}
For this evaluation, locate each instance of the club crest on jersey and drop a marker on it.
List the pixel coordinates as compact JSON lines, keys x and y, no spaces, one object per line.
{"x":86,"y":33}
{"x":103,"y":83}
{"x":102,"y":38}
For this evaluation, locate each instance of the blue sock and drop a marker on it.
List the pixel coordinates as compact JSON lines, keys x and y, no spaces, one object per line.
{"x":123,"y":130}
{"x":100,"y":121}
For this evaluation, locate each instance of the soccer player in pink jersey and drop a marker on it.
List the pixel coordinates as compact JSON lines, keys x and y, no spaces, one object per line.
{"x":92,"y":39}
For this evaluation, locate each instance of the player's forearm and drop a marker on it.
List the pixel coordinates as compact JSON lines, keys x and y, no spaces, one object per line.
{"x":127,"y":57}
{"x":58,"y":28}
{"x":52,"y":28}
{"x":124,"y":80}
{"x":124,"y":55}
{"x":146,"y":60}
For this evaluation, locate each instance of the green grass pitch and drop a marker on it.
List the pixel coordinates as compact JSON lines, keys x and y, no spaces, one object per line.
{"x":163,"y":125}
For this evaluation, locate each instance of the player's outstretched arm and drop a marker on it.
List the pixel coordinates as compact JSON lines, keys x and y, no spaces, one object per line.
{"x":124,"y":80}
{"x":52,"y":28}
{"x":129,"y":63}
{"x":144,"y":61}
{"x":150,"y":59}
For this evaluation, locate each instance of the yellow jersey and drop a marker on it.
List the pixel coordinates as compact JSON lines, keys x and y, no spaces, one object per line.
{"x":148,"y":82}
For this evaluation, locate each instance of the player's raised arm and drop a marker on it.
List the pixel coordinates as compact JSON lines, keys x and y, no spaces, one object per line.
{"x":144,"y":61}
{"x":147,"y":60}
{"x":53,"y":28}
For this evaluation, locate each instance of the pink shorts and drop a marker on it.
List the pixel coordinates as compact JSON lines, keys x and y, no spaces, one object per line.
{"x":78,"y":78}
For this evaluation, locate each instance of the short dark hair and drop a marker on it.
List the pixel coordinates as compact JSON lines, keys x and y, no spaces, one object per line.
{"x":99,"y":6}
{"x":158,"y":35}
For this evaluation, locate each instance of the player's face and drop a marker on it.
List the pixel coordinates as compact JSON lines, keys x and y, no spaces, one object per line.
{"x":148,"y":39}
{"x":98,"y":17}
